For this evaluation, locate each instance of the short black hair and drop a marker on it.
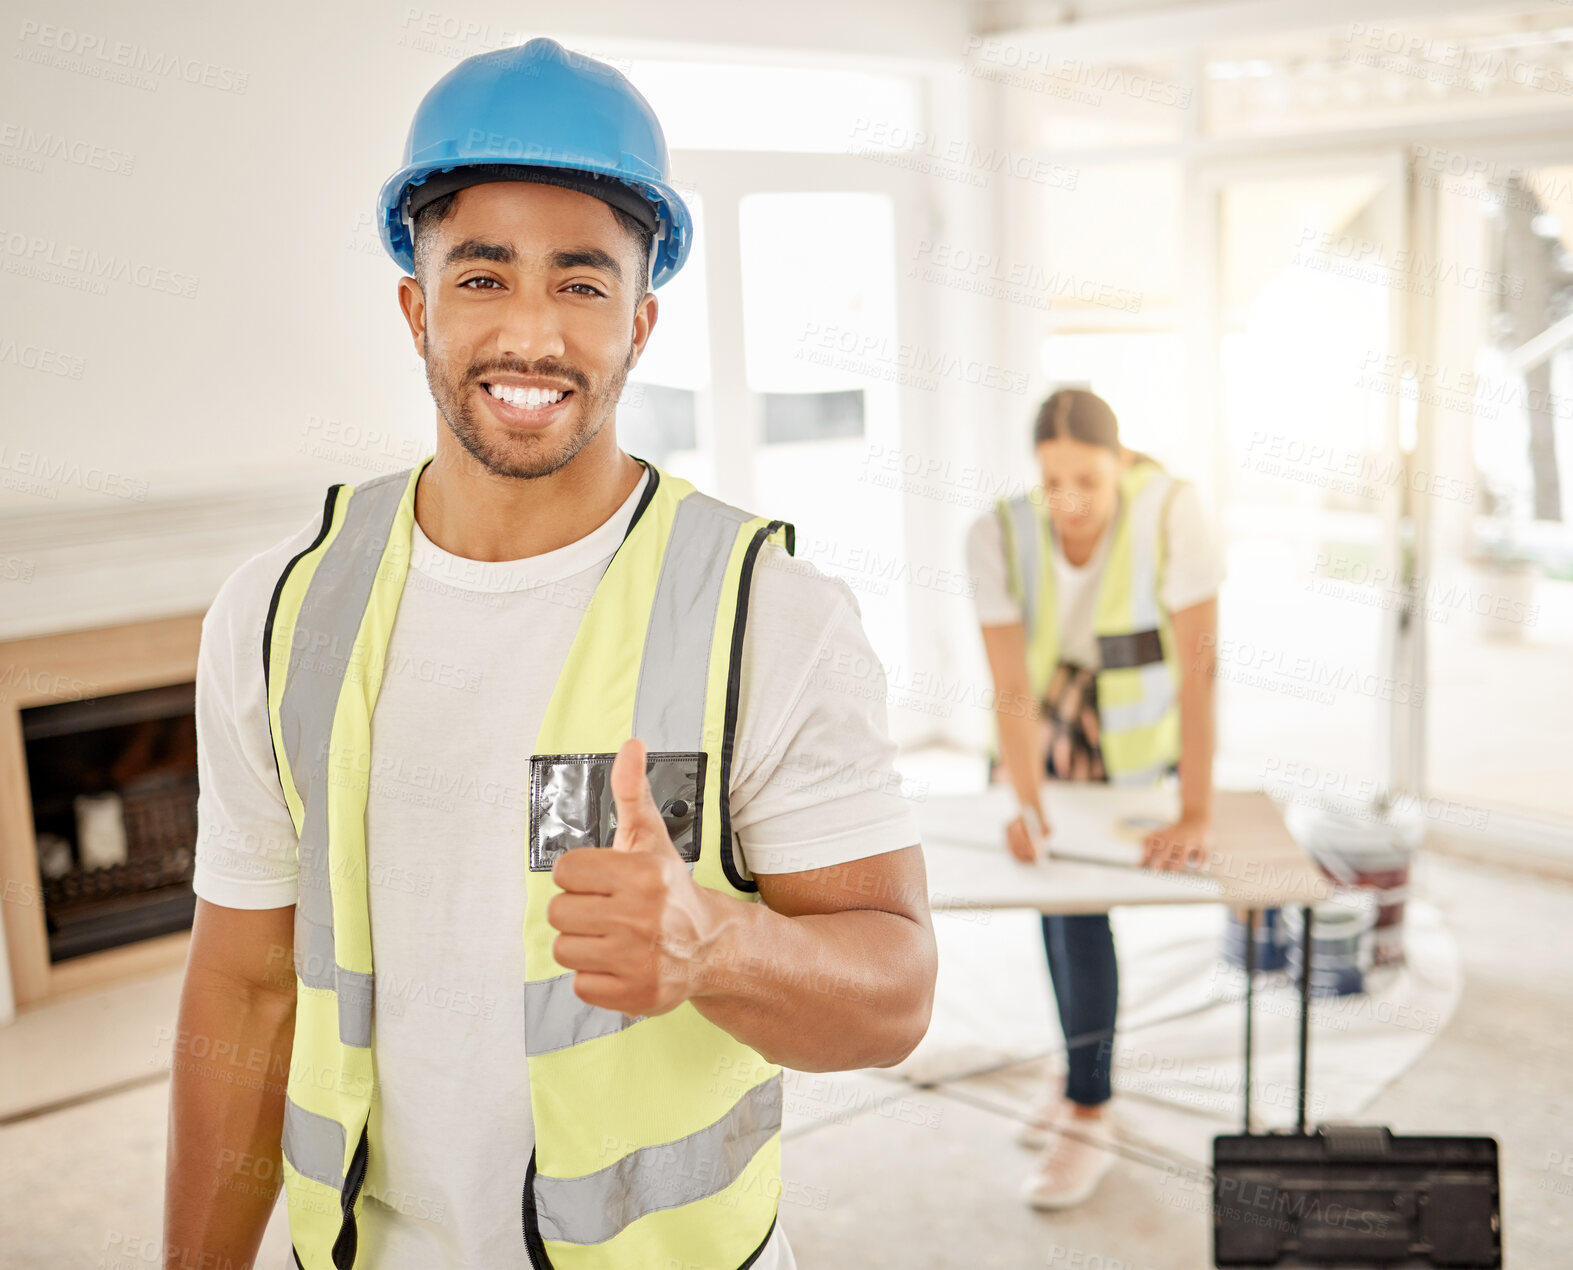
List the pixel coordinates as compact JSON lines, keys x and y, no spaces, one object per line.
{"x":439,"y":209}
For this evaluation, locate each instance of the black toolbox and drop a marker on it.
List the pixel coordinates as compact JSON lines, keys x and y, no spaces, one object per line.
{"x":1349,"y":1195}
{"x":1355,"y":1195}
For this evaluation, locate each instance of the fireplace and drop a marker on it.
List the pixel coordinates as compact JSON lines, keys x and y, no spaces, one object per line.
{"x":97,"y":804}
{"x":113,"y":782}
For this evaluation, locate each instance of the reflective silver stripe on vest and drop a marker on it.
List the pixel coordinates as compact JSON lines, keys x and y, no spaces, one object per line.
{"x":314,"y":1145}
{"x":1144,"y":513}
{"x":1157,"y":696}
{"x":315,"y":965}
{"x":313,"y":947}
{"x":1156,"y":679}
{"x":669,"y":704}
{"x":1024,"y":524}
{"x":325,"y":632}
{"x":356,"y":991}
{"x":593,"y":1208}
{"x":555,"y":1018}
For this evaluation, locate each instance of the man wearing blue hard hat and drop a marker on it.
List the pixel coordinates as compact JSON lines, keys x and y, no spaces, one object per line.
{"x":536,"y":843}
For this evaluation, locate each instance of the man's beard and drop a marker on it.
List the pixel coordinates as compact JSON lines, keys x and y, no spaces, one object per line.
{"x":522,"y":457}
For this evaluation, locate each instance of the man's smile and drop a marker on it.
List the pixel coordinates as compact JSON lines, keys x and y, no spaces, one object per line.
{"x":518,"y":401}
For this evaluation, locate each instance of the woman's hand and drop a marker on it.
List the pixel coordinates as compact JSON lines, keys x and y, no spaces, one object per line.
{"x":1182,"y":845}
{"x":1027,"y":844}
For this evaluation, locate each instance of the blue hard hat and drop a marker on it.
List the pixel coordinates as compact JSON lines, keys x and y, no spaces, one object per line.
{"x":539,"y":106}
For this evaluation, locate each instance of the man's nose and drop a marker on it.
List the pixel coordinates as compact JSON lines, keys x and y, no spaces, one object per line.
{"x":532,"y":326}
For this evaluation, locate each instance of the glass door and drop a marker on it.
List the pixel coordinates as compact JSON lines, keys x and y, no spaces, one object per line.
{"x":1495,"y":388}
{"x":1309,"y":296}
{"x":811,"y":375}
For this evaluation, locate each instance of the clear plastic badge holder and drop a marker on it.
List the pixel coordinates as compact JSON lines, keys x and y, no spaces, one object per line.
{"x":571,"y":803}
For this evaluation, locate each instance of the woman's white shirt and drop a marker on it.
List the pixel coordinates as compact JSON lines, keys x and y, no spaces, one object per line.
{"x":1194,"y":572}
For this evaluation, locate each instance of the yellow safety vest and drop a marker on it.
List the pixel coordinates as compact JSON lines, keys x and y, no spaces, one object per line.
{"x":657,"y":1140}
{"x":1138,"y":679}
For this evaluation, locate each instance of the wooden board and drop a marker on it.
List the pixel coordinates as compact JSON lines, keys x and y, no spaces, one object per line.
{"x":1254,"y":862}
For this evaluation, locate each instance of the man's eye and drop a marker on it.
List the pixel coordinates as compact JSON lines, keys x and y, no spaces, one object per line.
{"x":576,"y":286}
{"x":481,"y":278}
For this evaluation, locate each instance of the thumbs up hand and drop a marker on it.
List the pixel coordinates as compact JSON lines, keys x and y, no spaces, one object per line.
{"x":633,"y":924}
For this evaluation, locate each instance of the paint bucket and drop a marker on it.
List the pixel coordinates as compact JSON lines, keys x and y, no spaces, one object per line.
{"x":1271,"y":944}
{"x":1341,"y":943}
{"x":1366,"y":849}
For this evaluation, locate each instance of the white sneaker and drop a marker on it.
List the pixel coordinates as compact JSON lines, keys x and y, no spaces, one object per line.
{"x":1042,"y":1116}
{"x":1072,"y":1166}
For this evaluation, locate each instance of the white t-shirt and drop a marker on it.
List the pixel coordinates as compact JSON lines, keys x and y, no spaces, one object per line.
{"x":1192,"y":573}
{"x":475,"y":652}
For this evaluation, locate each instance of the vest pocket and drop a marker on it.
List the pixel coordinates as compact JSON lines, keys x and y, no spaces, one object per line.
{"x":571,"y":803}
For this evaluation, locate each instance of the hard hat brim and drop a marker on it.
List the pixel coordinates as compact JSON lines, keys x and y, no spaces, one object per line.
{"x":672,"y":228}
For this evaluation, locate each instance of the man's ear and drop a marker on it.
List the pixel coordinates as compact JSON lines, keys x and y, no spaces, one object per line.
{"x":645,"y":314}
{"x":412,"y":303}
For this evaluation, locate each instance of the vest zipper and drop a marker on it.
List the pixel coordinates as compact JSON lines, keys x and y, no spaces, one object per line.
{"x":534,"y":1246}
{"x":345,"y":1246}
{"x":754,"y":1256}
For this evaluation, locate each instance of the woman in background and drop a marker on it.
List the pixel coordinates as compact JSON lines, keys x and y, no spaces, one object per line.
{"x":1097,"y":595}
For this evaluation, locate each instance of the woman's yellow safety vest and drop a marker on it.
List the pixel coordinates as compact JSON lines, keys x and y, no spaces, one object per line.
{"x":1138,"y":679}
{"x":657,"y":1140}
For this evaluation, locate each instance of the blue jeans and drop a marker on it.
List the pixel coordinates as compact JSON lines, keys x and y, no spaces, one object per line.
{"x":1086,"y":989}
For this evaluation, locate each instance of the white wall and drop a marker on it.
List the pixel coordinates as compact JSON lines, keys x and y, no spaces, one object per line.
{"x":253,"y":194}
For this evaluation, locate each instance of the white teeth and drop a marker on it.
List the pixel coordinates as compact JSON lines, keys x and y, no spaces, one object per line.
{"x":527,"y":398}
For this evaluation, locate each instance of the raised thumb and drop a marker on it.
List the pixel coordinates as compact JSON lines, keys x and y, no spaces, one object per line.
{"x":639,"y":823}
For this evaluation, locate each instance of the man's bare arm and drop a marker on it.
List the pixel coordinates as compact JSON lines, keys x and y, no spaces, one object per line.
{"x":229,"y":1070}
{"x":835,"y":969}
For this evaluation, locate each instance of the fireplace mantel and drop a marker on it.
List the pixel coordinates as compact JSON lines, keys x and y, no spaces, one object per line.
{"x":105,"y":561}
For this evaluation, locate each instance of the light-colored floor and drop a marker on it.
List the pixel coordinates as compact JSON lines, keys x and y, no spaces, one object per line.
{"x":878,"y":1173}
{"x":911,"y":1196}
